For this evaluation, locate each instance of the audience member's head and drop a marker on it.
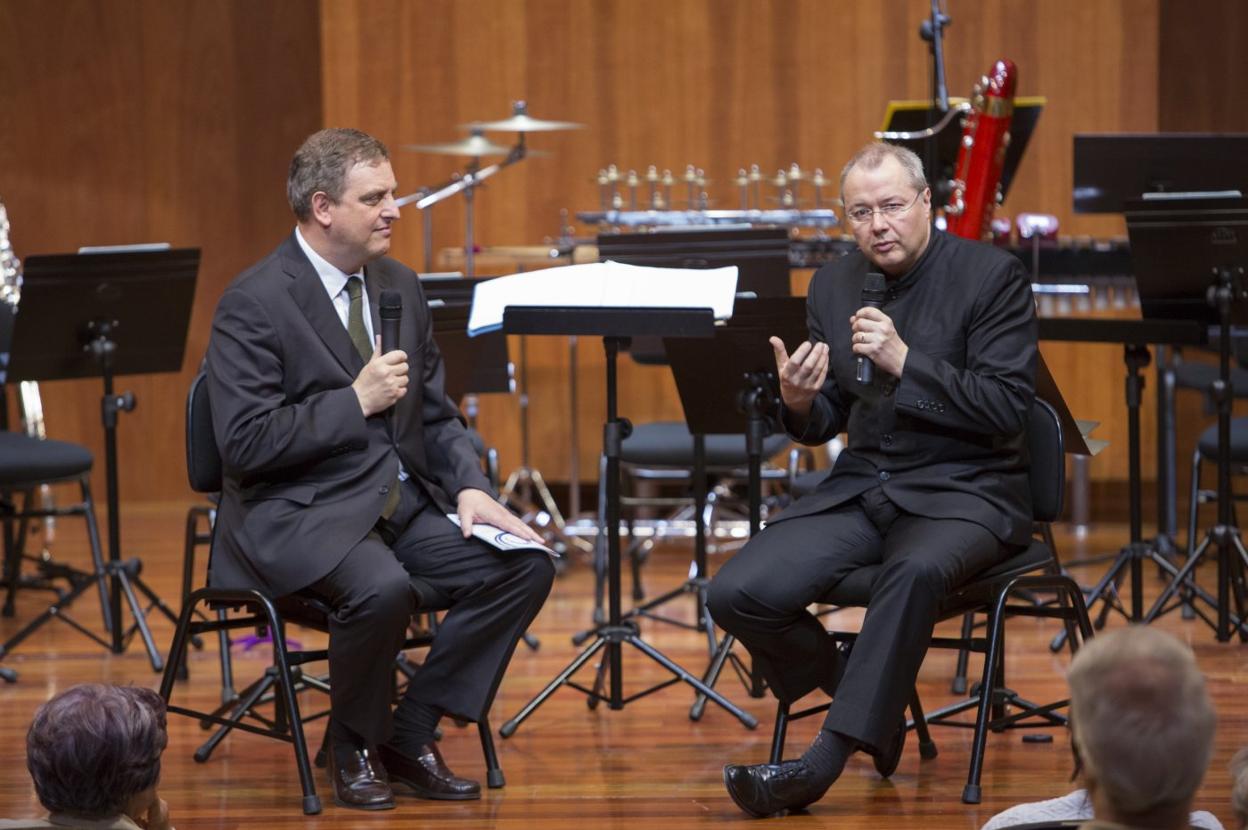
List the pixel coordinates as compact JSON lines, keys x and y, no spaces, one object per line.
{"x":1142,"y":724}
{"x":94,"y":751}
{"x":1239,"y":787}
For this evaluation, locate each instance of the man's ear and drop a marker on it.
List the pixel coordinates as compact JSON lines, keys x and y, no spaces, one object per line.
{"x":320,"y":208}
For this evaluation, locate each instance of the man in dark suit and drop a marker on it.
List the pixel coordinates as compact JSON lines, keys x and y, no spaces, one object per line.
{"x":341,"y":467}
{"x":932,"y":486}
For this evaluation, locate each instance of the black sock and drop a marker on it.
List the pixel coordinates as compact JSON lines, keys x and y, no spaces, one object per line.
{"x":414,"y":725}
{"x":344,"y":739}
{"x":828,"y":753}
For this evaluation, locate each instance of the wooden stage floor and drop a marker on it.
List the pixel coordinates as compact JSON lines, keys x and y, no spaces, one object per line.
{"x":646,"y":766}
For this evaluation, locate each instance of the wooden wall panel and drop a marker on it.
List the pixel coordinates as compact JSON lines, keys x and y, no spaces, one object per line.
{"x":146,"y":120}
{"x":720,"y":84}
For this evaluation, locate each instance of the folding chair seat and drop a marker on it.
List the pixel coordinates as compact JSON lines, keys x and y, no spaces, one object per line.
{"x":1034,"y":569}
{"x":26,"y":463}
{"x":233,"y":609}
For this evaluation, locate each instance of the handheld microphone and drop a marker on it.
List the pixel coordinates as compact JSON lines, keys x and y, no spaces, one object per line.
{"x":390,"y":310}
{"x":873,"y":288}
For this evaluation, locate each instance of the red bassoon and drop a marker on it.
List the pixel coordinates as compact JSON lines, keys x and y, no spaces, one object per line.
{"x":985,"y":136}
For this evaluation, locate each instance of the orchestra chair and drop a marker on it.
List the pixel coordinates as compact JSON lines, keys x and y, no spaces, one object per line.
{"x":233,"y":609}
{"x":1176,"y":373}
{"x":1036,"y":568}
{"x":661,"y":453}
{"x":1207,"y":450}
{"x":26,"y":463}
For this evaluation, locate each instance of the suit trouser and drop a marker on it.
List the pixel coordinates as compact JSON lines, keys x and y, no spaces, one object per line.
{"x":761,"y":595}
{"x":492,"y":598}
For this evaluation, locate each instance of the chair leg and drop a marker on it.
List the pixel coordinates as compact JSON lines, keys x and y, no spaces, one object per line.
{"x":927,"y":747}
{"x":971,"y":793}
{"x":493,"y":771}
{"x":780,"y":732}
{"x":107,"y":608}
{"x":311,"y":801}
{"x":959,"y":675}
{"x":1185,"y":597}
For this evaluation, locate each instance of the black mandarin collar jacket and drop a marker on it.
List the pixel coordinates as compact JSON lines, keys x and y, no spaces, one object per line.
{"x":947,"y":439}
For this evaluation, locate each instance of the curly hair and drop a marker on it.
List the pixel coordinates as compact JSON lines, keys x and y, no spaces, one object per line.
{"x":321,"y":164}
{"x":92,"y":748}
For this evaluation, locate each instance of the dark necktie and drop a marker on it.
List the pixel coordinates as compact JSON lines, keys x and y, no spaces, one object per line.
{"x":359,"y":336}
{"x":355,"y":318}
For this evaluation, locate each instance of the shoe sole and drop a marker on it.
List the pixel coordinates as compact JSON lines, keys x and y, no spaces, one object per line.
{"x":745,"y":809}
{"x":421,"y":792}
{"x":388,"y":805}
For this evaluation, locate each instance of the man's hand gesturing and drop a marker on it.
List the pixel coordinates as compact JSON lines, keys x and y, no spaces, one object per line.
{"x":801,"y":374}
{"x":382,"y":381}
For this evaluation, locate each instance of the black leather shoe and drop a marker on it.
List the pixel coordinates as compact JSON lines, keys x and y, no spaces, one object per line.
{"x":764,"y":790}
{"x":887,"y":757}
{"x":428,"y":775}
{"x":359,"y":782}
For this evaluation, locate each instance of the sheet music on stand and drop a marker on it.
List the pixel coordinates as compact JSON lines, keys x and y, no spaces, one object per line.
{"x":604,"y":285}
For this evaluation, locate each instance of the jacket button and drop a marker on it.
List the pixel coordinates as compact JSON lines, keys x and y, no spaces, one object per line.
{"x":384,"y":489}
{"x":884,"y":475}
{"x":887,"y":439}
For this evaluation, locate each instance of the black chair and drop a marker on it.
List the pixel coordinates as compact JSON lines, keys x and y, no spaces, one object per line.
{"x":1035,"y":569}
{"x":26,"y":463}
{"x":233,"y":609}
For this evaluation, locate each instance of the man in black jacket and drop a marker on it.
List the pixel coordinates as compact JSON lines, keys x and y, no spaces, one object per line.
{"x":341,"y":467}
{"x":932,"y":486}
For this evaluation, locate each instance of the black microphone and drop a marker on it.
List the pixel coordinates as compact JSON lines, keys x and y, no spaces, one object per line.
{"x":390,"y":309}
{"x":873,"y":288}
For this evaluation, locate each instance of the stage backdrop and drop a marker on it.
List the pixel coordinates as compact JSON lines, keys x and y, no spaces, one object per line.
{"x":175,"y":120}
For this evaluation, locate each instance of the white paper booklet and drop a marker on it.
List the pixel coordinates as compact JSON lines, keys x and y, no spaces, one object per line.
{"x":604,"y":285}
{"x":504,"y":540}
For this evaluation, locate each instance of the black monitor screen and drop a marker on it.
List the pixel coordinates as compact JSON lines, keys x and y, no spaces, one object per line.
{"x":1110,"y":169}
{"x":1177,"y":246}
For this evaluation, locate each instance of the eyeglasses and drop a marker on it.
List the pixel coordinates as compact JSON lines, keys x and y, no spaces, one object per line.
{"x":861,"y":214}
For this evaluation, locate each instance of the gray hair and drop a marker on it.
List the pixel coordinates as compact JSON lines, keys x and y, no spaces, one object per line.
{"x":1239,"y":786}
{"x":1141,"y":719}
{"x":322,"y":162}
{"x":92,"y":748}
{"x":872,"y":156}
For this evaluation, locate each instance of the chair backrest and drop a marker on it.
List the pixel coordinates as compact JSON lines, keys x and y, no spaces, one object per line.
{"x":203,"y":459}
{"x":1048,"y":462}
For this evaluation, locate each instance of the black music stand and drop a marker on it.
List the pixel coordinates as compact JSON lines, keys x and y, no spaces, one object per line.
{"x":914,"y":118}
{"x":1112,"y":169}
{"x":727,"y":384}
{"x":1190,"y":258}
{"x":615,"y":326}
{"x":103,"y":315}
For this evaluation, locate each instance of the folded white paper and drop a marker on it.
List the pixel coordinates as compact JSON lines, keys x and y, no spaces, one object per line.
{"x":604,"y":285}
{"x":504,"y":540}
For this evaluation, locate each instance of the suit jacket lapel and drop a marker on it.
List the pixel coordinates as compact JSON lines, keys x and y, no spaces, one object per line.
{"x":309,"y":294}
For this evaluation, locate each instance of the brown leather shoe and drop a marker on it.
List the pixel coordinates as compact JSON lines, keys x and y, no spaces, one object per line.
{"x":359,"y":781}
{"x":427,"y":775}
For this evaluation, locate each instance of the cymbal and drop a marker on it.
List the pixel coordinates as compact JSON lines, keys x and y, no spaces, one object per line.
{"x":474,"y":145}
{"x":521,"y":122}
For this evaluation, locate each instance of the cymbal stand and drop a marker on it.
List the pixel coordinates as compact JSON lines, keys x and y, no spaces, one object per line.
{"x":467,"y":183}
{"x":1224,"y":537}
